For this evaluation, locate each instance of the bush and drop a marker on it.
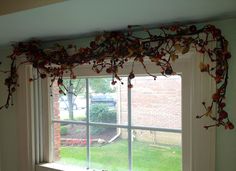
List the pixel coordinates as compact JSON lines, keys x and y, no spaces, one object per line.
{"x":78,"y":131}
{"x":80,"y":118}
{"x":100,"y":113}
{"x":64,"y":130}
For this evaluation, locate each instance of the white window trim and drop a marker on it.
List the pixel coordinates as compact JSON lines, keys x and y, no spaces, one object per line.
{"x":199,"y":143}
{"x":24,"y":108}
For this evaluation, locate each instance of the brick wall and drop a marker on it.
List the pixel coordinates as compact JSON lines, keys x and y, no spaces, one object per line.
{"x":56,"y":126}
{"x":154,"y":103}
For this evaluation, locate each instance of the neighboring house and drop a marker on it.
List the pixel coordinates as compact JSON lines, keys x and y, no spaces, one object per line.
{"x":154,"y":103}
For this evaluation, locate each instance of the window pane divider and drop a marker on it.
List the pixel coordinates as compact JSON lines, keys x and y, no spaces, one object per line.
{"x":157,"y":129}
{"x":119,"y":126}
{"x":129,"y":131}
{"x":87,"y":124}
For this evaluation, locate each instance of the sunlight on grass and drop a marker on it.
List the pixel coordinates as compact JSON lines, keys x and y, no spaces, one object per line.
{"x":114,"y":157}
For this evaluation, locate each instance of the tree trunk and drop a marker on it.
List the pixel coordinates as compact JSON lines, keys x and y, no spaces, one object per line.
{"x":70,"y":100}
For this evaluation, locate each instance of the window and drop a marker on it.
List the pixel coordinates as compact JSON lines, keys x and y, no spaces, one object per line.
{"x":120,"y":128}
{"x":36,"y":126}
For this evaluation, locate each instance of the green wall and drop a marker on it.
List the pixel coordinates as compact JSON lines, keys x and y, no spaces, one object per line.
{"x":226,"y":140}
{"x":8,"y":127}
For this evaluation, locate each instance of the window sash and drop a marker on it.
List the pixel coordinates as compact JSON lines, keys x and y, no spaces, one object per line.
{"x":127,"y":126}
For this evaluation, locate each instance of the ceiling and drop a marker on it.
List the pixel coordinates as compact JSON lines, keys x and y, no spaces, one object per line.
{"x":11,"y":6}
{"x":72,"y":18}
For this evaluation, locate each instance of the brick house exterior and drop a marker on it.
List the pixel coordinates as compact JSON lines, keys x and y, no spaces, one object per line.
{"x":56,"y":126}
{"x":154,"y":103}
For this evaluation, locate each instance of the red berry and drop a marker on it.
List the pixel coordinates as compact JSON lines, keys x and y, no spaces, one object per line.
{"x":168,"y":71}
{"x":222,"y":105}
{"x":230,"y":125}
{"x":131,"y":75}
{"x":219,"y":72}
{"x":43,"y":76}
{"x":113,"y":82}
{"x":223,"y":114}
{"x":216,"y":97}
{"x":59,"y":81}
{"x":97,"y":71}
{"x":130,"y":86}
{"x":192,"y":28}
{"x":227,"y":55}
{"x":93,"y":45}
{"x":109,"y":70}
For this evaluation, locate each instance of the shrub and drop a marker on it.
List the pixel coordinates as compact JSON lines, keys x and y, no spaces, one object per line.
{"x":80,"y":118}
{"x":78,"y":131}
{"x":64,"y":130}
{"x":100,"y":113}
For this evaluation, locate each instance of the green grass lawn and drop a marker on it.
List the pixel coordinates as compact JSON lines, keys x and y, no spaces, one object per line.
{"x":113,"y":157}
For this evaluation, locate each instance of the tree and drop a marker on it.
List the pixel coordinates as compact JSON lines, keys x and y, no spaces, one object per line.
{"x":101,"y":85}
{"x":75,"y":87}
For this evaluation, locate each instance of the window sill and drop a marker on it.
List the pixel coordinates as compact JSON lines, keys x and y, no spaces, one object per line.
{"x":59,"y":167}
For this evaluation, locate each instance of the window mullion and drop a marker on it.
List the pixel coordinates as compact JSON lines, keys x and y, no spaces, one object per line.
{"x":36,"y":121}
{"x":129,"y":131}
{"x":112,"y":125}
{"x":87,"y":123}
{"x":40,"y":123}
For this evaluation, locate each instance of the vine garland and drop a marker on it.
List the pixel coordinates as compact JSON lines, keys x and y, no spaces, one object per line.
{"x":111,"y":50}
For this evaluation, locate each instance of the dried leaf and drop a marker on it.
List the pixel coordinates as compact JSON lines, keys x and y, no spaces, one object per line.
{"x":225,"y":45}
{"x":174,"y":57}
{"x":130,"y":51}
{"x":154,"y":59}
{"x":185,"y":49}
{"x":204,"y":67}
{"x":178,"y":47}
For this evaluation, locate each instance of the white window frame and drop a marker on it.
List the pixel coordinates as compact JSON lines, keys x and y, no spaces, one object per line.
{"x":198,"y":145}
{"x":129,"y":126}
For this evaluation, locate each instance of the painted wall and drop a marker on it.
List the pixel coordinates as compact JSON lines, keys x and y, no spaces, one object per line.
{"x":226,"y":140}
{"x":8,"y":127}
{"x":11,"y":6}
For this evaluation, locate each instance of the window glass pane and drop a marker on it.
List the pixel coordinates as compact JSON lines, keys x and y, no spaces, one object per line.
{"x":156,"y":103}
{"x":105,"y":100}
{"x":70,"y":144}
{"x":72,"y":104}
{"x":109,"y":150}
{"x":156,"y":151}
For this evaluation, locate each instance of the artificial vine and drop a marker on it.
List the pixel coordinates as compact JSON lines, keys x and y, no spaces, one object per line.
{"x":111,"y":50}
